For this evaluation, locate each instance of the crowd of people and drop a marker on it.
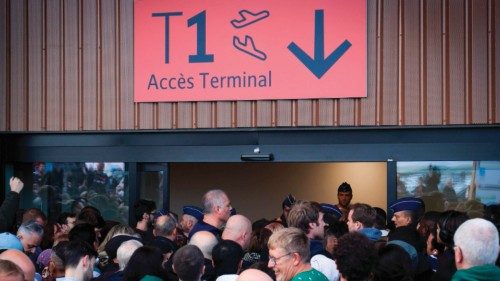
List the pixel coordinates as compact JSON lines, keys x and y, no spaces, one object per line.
{"x":308,"y":241}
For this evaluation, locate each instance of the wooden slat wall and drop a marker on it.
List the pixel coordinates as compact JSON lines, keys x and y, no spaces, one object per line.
{"x":67,"y":65}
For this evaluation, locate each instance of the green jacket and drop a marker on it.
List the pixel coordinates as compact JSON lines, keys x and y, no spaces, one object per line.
{"x":478,"y":273}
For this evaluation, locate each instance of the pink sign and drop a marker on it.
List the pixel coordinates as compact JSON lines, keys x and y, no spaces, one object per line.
{"x":194,"y":50}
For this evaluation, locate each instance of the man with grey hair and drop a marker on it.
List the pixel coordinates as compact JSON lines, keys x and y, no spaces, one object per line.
{"x":30,"y":234}
{"x":476,"y":250}
{"x":165,"y":232}
{"x":217,"y":209}
{"x":123,"y":254}
{"x":289,"y":256}
{"x":239,"y":230}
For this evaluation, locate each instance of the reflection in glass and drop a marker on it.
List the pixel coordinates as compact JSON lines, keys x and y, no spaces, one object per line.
{"x":68,"y":187}
{"x":451,"y":185}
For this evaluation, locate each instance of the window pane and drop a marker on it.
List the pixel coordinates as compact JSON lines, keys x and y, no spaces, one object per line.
{"x":68,"y":187}
{"x":451,"y":185}
{"x":151,"y":187}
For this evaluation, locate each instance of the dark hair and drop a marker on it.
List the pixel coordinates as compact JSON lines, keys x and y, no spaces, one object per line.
{"x":449,"y":222}
{"x":336,"y":229}
{"x":381,"y":219}
{"x":262,"y":266}
{"x":8,"y":268}
{"x":329,"y":218}
{"x":364,"y":213}
{"x":344,"y":187}
{"x":188,"y":263}
{"x":144,"y":261}
{"x":63,"y":217}
{"x":92,"y":216}
{"x":143,"y":206}
{"x":48,"y":235}
{"x":75,"y":251}
{"x":227,"y":256}
{"x":33,"y":214}
{"x":407,"y":234}
{"x":83,"y":232}
{"x":394,"y":264}
{"x":427,"y":226}
{"x":355,"y":256}
{"x":59,"y":250}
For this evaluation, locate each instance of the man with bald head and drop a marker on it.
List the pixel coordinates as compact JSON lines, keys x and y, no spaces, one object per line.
{"x":239,"y":230}
{"x":253,"y":275}
{"x":205,"y":241}
{"x":21,"y":260}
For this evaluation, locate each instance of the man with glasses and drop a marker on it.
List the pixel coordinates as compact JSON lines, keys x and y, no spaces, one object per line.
{"x":217,"y":209}
{"x":289,"y":256}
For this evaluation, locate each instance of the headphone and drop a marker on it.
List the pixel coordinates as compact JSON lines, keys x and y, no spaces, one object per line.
{"x":445,"y":235}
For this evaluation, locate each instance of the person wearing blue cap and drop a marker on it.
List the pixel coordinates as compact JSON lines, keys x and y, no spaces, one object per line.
{"x":344,"y":195}
{"x":331,"y":213}
{"x":190,"y":216}
{"x":407,"y":211}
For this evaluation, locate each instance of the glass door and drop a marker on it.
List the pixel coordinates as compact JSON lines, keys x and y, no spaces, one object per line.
{"x":154,"y":184}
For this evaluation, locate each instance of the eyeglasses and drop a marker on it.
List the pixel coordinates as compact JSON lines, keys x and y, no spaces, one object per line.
{"x":274,"y":260}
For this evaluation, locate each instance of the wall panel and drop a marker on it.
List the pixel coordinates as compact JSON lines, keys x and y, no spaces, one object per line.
{"x":67,"y":65}
{"x":90,"y":48}
{"x":456,"y":54}
{"x":109,"y":69}
{"x":18,"y":75}
{"x":4,"y":63}
{"x":244,"y":114}
{"x":35,"y":68}
{"x":126,"y":106}
{"x":54,"y":65}
{"x":410,"y":64}
{"x":368,"y":106}
{"x":71,"y":69}
{"x":479,"y":62}
{"x":389,"y":61}
{"x":433,"y":45}
{"x":325,"y":112}
{"x":494,"y":59}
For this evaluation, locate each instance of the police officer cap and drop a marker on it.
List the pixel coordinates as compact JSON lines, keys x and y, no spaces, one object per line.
{"x":193,"y":211}
{"x":159,"y":213}
{"x":344,"y":187}
{"x":331,"y":209}
{"x":407,"y":204}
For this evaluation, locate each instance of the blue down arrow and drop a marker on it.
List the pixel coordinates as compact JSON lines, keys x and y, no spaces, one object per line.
{"x":319,"y":65}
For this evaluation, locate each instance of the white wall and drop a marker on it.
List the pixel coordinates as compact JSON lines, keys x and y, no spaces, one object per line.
{"x":257,"y":189}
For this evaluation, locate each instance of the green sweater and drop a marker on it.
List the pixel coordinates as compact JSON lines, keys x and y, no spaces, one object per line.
{"x":479,"y":273}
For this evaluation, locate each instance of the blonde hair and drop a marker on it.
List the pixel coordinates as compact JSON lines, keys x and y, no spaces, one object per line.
{"x":292,"y":240}
{"x":119,"y":229}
